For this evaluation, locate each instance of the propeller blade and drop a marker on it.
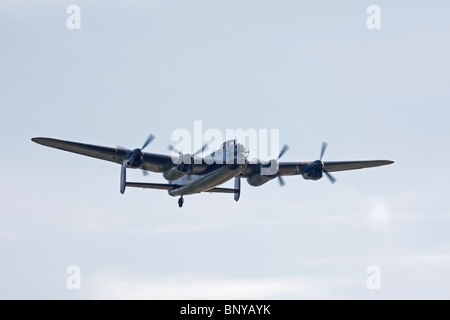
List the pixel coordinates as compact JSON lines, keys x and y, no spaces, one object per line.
{"x":281,"y":181}
{"x":201,"y":150}
{"x":149,"y":139}
{"x":283,"y":151}
{"x":330,"y":177}
{"x":322,"y":151}
{"x":172,"y":148}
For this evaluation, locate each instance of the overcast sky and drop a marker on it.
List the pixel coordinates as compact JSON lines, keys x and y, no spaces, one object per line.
{"x":313,"y":71}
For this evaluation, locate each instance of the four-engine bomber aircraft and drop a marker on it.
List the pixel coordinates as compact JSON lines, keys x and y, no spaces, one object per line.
{"x":188,"y":174}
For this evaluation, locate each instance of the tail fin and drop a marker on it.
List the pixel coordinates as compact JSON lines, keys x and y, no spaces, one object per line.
{"x":123,"y":179}
{"x":237,"y":188}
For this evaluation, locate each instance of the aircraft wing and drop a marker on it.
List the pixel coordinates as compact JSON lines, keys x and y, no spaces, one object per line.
{"x":332,"y":166}
{"x":152,"y":162}
{"x":294,"y":168}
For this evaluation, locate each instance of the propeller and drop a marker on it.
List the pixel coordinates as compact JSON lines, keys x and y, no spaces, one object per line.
{"x":189,"y":165}
{"x":323,"y":149}
{"x":173,"y":149}
{"x":150,"y":138}
{"x":147,"y":142}
{"x":132,"y":155}
{"x":329,"y":176}
{"x":281,"y":181}
{"x":282,"y":152}
{"x":322,"y":152}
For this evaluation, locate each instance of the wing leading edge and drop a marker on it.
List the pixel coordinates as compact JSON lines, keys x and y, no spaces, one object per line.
{"x":151,"y":161}
{"x":294,"y":168}
{"x":332,"y":166}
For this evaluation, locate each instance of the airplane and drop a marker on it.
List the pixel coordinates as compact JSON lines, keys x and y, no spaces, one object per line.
{"x":190,"y":174}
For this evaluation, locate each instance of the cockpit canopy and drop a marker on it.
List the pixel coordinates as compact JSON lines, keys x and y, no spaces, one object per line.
{"x":232,"y":144}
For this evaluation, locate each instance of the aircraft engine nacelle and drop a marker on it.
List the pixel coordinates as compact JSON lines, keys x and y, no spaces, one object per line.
{"x":314,"y":171}
{"x":308,"y":176}
{"x":266,"y":172}
{"x":257,"y":180}
{"x":134,"y":159}
{"x":174,"y":173}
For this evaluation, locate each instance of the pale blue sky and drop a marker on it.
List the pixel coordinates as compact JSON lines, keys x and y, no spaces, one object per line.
{"x":313,"y":71}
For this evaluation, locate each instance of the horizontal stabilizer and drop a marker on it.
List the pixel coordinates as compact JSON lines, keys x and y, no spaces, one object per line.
{"x":221,"y":190}
{"x":165,"y":186}
{"x":161,"y":186}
